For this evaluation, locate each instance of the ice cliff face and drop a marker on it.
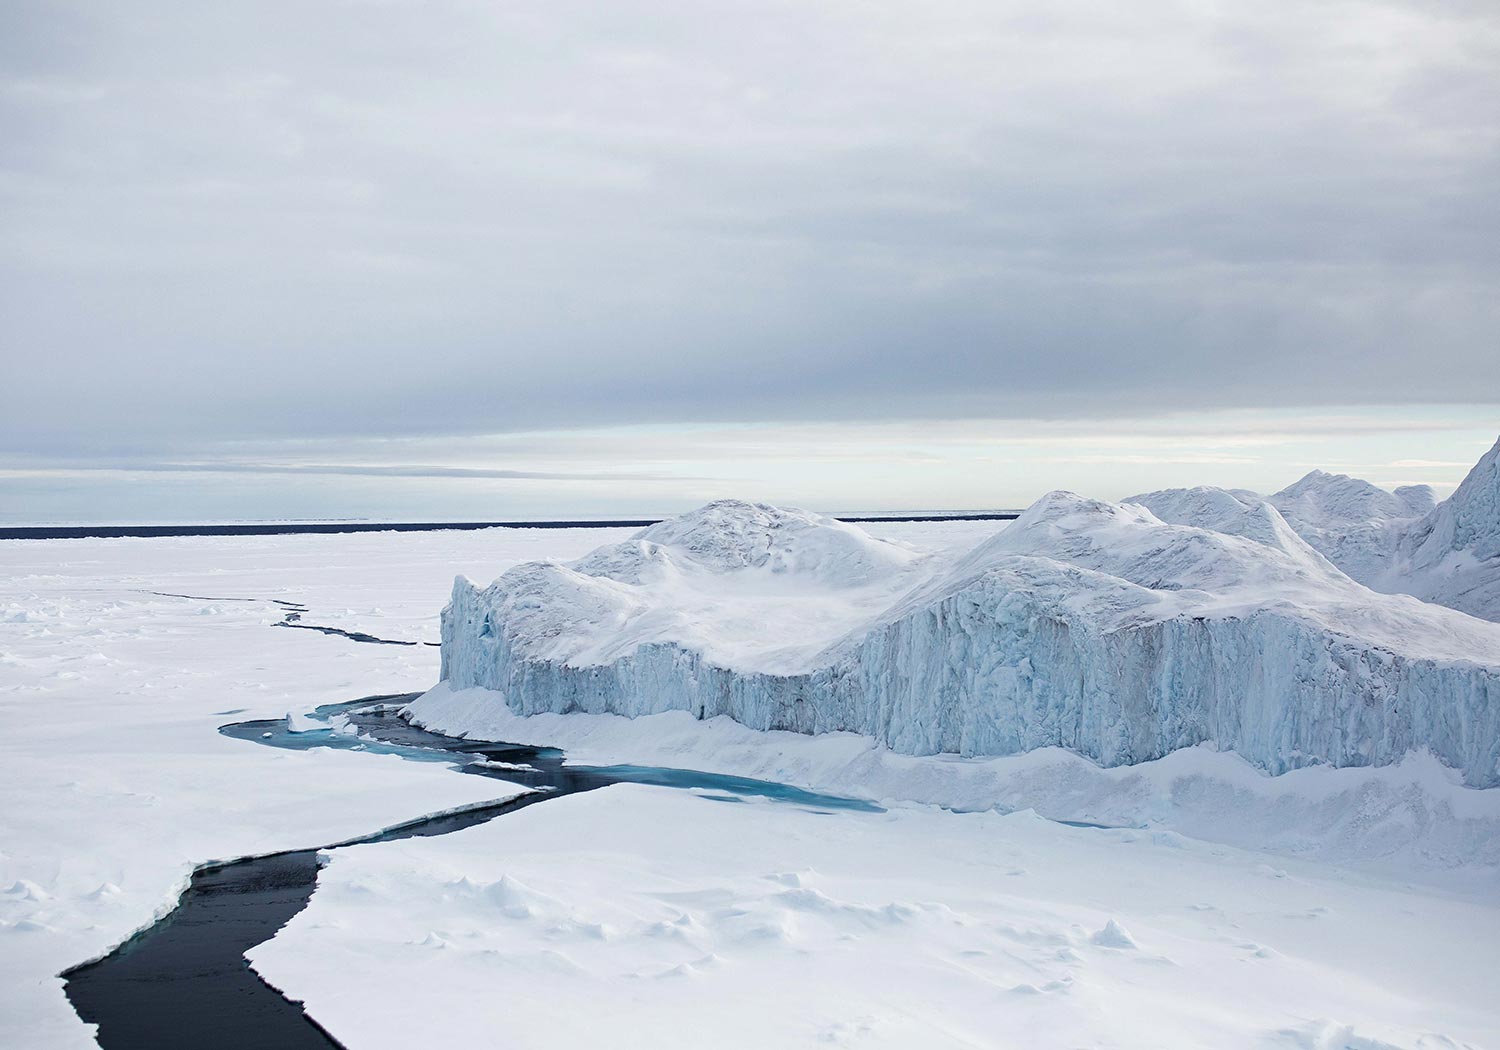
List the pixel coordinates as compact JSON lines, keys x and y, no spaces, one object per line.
{"x":1085,"y":624}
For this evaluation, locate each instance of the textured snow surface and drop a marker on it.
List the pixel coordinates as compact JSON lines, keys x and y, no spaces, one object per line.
{"x":1084,"y":624}
{"x":661,"y":919}
{"x":1354,"y":523}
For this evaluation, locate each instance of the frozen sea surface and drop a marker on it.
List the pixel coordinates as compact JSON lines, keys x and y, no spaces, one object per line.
{"x":1364,"y":915}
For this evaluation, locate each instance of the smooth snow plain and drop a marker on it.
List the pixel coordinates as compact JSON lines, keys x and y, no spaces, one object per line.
{"x":1324,"y":908}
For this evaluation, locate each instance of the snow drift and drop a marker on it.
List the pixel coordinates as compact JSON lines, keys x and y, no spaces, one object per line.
{"x":1087,"y":625}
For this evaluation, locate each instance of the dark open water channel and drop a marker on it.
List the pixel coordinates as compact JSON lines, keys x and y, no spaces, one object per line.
{"x":184,"y":984}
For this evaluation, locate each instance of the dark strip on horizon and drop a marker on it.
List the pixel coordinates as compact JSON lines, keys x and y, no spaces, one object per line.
{"x":80,"y":532}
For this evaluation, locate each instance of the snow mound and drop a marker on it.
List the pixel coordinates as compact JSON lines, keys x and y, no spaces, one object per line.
{"x":732,"y":536}
{"x":746,"y":584}
{"x":1085,"y":624}
{"x":1113,"y":935}
{"x":1202,"y":505}
{"x":1419,"y":499}
{"x":1139,"y":546}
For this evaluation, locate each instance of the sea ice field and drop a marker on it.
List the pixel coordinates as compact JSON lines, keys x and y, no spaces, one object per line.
{"x":1011,"y":901}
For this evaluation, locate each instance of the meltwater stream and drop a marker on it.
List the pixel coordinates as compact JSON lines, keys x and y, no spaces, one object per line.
{"x":184,"y":981}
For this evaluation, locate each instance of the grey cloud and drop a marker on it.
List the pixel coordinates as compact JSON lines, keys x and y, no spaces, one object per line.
{"x":53,"y":466}
{"x":271,"y":220}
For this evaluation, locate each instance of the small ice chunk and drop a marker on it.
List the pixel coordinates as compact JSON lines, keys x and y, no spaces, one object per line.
{"x":1114,"y":936}
{"x":298,"y":722}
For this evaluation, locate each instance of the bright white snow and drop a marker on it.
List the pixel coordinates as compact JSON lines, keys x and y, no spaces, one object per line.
{"x":643,"y":917}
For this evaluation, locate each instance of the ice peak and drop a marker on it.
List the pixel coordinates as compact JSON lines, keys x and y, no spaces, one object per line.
{"x":1467,"y":521}
{"x":1070,"y":512}
{"x":1319,"y":499}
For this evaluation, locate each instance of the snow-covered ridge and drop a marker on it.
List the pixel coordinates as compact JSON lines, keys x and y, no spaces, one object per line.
{"x":1088,"y":625}
{"x":1321,"y":498}
{"x":1398,"y":542}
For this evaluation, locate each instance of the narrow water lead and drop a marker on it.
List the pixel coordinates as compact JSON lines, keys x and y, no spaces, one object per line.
{"x":184,"y":983}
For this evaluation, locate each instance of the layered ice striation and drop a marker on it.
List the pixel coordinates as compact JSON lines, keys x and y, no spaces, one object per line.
{"x":1085,"y":624}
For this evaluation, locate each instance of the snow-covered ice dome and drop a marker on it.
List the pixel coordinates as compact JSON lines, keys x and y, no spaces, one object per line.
{"x":747,"y":585}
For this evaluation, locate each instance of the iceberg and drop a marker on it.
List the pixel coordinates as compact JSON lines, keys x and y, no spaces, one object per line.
{"x":1089,"y":625}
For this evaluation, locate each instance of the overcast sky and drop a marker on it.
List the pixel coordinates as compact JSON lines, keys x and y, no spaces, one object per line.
{"x":548,"y":258}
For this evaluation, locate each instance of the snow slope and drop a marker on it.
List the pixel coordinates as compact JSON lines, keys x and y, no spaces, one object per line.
{"x":1452,"y":555}
{"x":1084,"y":624}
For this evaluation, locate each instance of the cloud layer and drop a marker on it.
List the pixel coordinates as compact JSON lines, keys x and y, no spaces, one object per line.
{"x":268,"y":220}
